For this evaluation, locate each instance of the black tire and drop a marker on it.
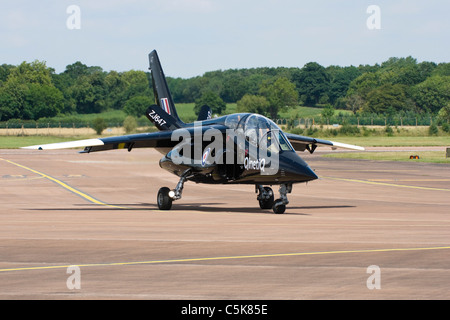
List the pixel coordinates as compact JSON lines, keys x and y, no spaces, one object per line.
{"x":163,"y":199}
{"x":267,"y":203}
{"x":279,"y":207}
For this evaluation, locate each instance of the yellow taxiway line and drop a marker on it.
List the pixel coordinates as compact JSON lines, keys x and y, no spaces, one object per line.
{"x":64,"y":185}
{"x":386,"y":184}
{"x":224,"y":258}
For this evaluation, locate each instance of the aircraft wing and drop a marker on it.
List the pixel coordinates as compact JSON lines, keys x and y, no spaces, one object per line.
{"x":159,"y":139}
{"x":142,"y":140}
{"x":302,"y":143}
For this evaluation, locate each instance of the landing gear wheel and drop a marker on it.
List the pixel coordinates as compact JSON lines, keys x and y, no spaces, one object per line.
{"x":164,"y":201}
{"x":267,"y":203}
{"x":279,"y":207}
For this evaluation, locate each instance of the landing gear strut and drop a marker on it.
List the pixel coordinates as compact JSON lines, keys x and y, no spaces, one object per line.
{"x":279,"y":205}
{"x":266,"y":198}
{"x":167,"y":196}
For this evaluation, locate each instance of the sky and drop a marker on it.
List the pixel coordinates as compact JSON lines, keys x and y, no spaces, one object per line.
{"x":196,"y":36}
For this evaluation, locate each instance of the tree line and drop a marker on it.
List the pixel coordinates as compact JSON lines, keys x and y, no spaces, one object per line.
{"x":32,"y":90}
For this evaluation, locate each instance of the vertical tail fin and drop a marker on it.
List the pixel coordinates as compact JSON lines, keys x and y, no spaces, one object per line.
{"x":161,"y":89}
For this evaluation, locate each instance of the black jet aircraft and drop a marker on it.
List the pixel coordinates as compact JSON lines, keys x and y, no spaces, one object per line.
{"x":242,"y":148}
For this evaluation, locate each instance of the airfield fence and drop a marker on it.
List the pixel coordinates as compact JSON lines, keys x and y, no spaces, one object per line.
{"x":395,"y":121}
{"x":62,"y":128}
{"x":31,"y":127}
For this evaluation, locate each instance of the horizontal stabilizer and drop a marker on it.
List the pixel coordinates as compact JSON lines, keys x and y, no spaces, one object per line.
{"x":205,"y":113}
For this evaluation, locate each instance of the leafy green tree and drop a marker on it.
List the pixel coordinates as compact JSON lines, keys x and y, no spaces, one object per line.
{"x":43,"y":101}
{"x":28,"y":93}
{"x":194,"y":88}
{"x":12,"y":100}
{"x":444,"y":114}
{"x":115,"y":87}
{"x":8,"y":104}
{"x":62,"y":82}
{"x":136,"y":84}
{"x":84,"y":88}
{"x":99,"y":124}
{"x":34,"y":72}
{"x":177,"y":88}
{"x":340,"y":79}
{"x":88,"y":93}
{"x":387,"y":99}
{"x":130,"y":124}
{"x":137,"y":106}
{"x":442,"y":69}
{"x":280,"y":94}
{"x":5,"y":70}
{"x":79,"y":69}
{"x":328,"y":112}
{"x":433,"y":130}
{"x":212,"y":100}
{"x":312,"y":82}
{"x":235,"y":86}
{"x":76,"y":70}
{"x":363,"y":84}
{"x":253,"y":104}
{"x":354,"y":103}
{"x":406,"y":71}
{"x":427,"y":69}
{"x":433,"y":94}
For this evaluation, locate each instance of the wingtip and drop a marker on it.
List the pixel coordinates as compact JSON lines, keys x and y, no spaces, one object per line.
{"x":32,"y":148}
{"x":347,"y":146}
{"x":66,"y":145}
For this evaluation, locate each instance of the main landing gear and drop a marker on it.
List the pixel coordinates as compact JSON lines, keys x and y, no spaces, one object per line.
{"x":167,"y":196}
{"x":266,"y":198}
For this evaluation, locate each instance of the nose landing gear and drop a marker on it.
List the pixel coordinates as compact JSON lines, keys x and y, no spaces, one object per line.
{"x":166,"y":196}
{"x":163,"y":199}
{"x":280,"y":205}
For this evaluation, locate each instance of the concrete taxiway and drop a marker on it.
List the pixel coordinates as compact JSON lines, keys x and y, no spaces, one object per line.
{"x":365,"y":230}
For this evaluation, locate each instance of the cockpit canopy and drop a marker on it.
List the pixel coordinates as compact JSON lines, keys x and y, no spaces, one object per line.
{"x":259,"y":131}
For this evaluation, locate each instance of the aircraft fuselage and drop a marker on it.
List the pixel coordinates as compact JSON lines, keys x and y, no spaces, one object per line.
{"x":271,"y":162}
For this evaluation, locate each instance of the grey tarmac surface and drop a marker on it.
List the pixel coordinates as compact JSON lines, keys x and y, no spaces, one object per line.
{"x":364,"y":223}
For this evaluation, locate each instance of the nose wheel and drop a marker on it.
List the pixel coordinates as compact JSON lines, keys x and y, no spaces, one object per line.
{"x":166,"y":196}
{"x":163,"y":199}
{"x":279,"y":207}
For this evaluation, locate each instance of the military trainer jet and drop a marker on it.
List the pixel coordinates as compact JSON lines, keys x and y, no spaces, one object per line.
{"x":242,"y":148}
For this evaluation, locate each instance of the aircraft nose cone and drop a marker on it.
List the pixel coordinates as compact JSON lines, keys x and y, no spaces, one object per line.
{"x":295,"y":168}
{"x":310,"y":173}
